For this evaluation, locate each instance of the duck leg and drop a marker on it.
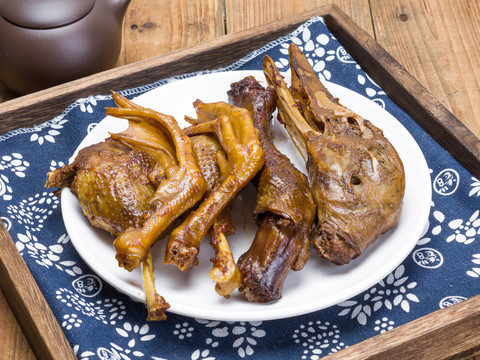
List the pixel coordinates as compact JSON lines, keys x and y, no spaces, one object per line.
{"x":284,"y":210}
{"x":236,"y":133}
{"x":181,"y":188}
{"x":211,"y":159}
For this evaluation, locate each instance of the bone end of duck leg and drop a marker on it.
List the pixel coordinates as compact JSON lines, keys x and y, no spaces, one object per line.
{"x":156,"y":304}
{"x":225,"y":274}
{"x":156,"y":312}
{"x":181,"y":254}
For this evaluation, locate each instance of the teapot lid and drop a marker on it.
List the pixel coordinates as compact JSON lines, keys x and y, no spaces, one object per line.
{"x":44,"y":14}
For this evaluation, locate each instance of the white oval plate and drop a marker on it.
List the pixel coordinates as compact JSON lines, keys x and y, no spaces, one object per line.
{"x":320,"y":284}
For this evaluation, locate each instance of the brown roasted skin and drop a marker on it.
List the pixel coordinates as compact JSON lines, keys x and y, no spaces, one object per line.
{"x":356,"y":176}
{"x":284,"y":210}
{"x":234,"y":129}
{"x":182,"y":187}
{"x":113,"y":187}
{"x":111,"y":184}
{"x":209,"y":154}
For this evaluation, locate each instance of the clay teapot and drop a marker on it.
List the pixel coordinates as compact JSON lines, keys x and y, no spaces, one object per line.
{"x":48,"y":42}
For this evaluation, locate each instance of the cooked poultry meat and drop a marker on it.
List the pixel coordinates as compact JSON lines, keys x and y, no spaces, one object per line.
{"x":224,"y":273}
{"x":156,"y":304}
{"x":284,"y":210}
{"x":181,"y":188}
{"x":244,"y":158}
{"x":169,"y":184}
{"x":111,"y":183}
{"x":356,"y":176}
{"x":206,"y":149}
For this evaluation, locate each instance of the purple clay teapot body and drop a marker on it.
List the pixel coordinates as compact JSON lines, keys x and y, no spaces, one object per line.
{"x":48,"y":42}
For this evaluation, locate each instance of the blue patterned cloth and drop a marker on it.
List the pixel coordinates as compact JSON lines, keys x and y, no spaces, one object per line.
{"x":101,"y":323}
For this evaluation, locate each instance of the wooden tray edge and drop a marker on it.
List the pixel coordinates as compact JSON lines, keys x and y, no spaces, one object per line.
{"x":414,"y":335}
{"x":27,"y":302}
{"x":453,"y":332}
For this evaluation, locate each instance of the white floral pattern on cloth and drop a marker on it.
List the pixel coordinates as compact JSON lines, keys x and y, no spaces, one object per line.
{"x":54,"y":165}
{"x":394,"y":291}
{"x":43,"y":134}
{"x":474,"y":272}
{"x":108,"y":311}
{"x":201,"y":355}
{"x":32,"y":212}
{"x":49,"y":131}
{"x":102,"y":323}
{"x":384,"y":324}
{"x":465,"y":231}
{"x":475,"y":191}
{"x":47,"y":256}
{"x":435,"y":227}
{"x":5,"y":188}
{"x":16,"y":164}
{"x":244,"y":335}
{"x":125,"y":349}
{"x":314,"y":50}
{"x":372,"y":90}
{"x":318,"y":339}
{"x":183,"y":330}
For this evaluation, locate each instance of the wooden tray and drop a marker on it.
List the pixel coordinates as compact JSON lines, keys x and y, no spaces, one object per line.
{"x":453,"y":332}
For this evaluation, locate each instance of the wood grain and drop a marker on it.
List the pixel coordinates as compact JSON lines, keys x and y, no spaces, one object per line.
{"x":153,"y":28}
{"x":438,"y":42}
{"x":450,"y":333}
{"x":14,"y":344}
{"x":32,"y":311}
{"x":246,"y":14}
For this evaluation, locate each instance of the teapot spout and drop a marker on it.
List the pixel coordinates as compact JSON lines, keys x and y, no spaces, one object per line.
{"x":118,"y":7}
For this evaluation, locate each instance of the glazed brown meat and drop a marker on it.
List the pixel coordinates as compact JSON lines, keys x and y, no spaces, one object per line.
{"x":181,"y":188}
{"x":234,"y":129}
{"x":111,"y":184}
{"x":172,"y":178}
{"x":284,"y":210}
{"x":113,"y":187}
{"x":356,"y":176}
{"x":224,"y":273}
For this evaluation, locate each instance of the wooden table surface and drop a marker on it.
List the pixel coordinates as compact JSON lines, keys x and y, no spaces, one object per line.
{"x":437,"y":41}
